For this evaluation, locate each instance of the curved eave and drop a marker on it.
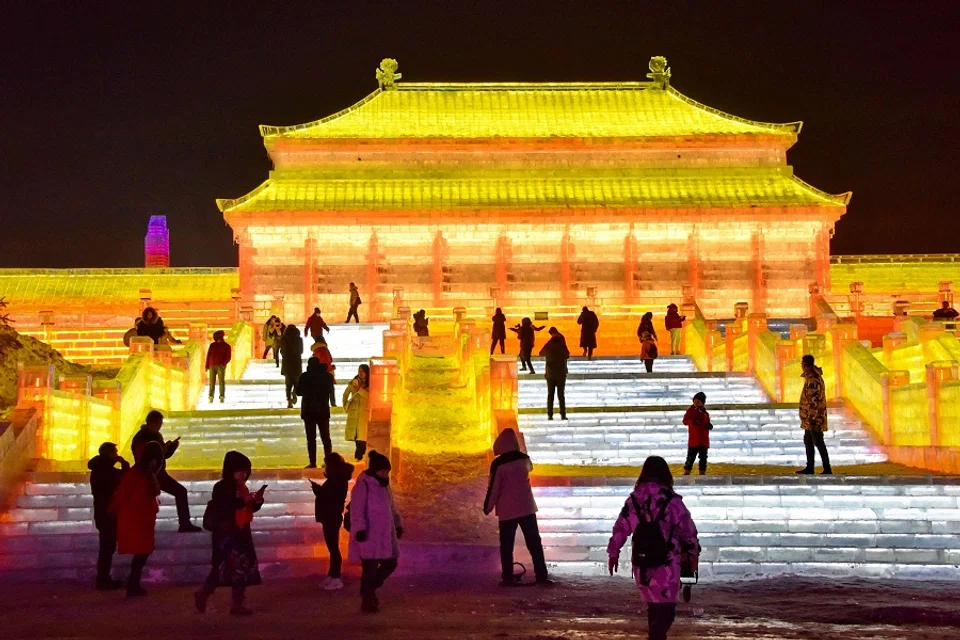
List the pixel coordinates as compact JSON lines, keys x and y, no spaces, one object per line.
{"x":228,"y":204}
{"x":842,"y":199}
{"x":781,"y":128}
{"x":267,"y":130}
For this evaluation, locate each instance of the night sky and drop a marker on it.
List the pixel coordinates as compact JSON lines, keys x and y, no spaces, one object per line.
{"x":112,"y":112}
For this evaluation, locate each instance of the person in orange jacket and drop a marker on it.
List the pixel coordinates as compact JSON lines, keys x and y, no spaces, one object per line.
{"x":697,"y":419}
{"x":218,"y":357}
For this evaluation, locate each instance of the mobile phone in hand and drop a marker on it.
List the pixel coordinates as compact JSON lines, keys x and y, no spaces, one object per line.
{"x":262,"y":489}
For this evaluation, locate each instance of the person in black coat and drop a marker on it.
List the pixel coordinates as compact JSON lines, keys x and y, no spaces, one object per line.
{"x":151,"y":325}
{"x":556,"y":354}
{"x":291,"y":365}
{"x":589,"y":324}
{"x":526,"y":331}
{"x":499,"y":333}
{"x":104,"y":480}
{"x":315,"y":388}
{"x":331,"y":496}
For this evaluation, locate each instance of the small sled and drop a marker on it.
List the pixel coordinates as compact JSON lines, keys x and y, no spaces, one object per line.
{"x":688,"y":578}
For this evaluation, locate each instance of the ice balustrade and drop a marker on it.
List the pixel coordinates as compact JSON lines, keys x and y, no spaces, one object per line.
{"x":77,"y":413}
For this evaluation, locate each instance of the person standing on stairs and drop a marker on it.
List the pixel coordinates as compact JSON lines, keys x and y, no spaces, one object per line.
{"x":150,"y":432}
{"x":699,"y":427}
{"x":315,"y":326}
{"x":421,"y":324}
{"x":270,"y":336}
{"x":315,"y":388}
{"x":526,"y":331}
{"x":555,"y":353}
{"x":510,"y":494}
{"x":499,"y":332}
{"x":291,"y":351}
{"x":104,"y":480}
{"x":330,"y":499}
{"x":218,"y":357}
{"x":813,"y":415}
{"x":356,"y":401}
{"x":648,"y":341}
{"x":674,"y":324}
{"x":355,"y":303}
{"x":135,"y":506}
{"x":589,"y":324}
{"x":228,"y":516}
{"x":663,"y":532}
{"x":376,"y":528}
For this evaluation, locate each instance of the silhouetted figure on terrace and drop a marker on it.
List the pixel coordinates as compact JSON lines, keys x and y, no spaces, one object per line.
{"x":945,"y":312}
{"x":421,"y":324}
{"x":291,"y":351}
{"x":555,"y":353}
{"x":151,"y":325}
{"x":526,"y":331}
{"x":499,"y":332}
{"x":355,"y":303}
{"x":150,"y":432}
{"x":315,"y":326}
{"x":813,"y":415}
{"x":104,"y":480}
{"x":589,"y":324}
{"x":674,"y":324}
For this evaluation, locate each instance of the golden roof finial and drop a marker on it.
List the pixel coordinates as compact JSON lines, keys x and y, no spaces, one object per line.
{"x":659,"y":71}
{"x":387,"y":74}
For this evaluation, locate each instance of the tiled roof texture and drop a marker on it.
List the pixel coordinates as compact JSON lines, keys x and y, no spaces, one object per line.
{"x":22,"y":286}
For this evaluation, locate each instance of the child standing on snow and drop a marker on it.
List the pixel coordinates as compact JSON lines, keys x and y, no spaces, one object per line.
{"x":697,"y":419}
{"x":330,"y":498}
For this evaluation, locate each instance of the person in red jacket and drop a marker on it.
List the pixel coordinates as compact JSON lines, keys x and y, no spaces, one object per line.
{"x":135,"y":506}
{"x":699,"y":427}
{"x":674,"y":324}
{"x":315,"y":326}
{"x":218,"y":357}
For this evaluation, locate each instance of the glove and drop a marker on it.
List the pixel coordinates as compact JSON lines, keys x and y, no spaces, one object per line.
{"x":362,"y":535}
{"x":399,"y":532}
{"x":709,"y":426}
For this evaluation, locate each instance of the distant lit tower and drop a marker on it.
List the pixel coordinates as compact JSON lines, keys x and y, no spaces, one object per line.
{"x":156,"y":244}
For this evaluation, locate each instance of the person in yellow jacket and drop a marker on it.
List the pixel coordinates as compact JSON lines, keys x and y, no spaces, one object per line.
{"x":356,"y":402}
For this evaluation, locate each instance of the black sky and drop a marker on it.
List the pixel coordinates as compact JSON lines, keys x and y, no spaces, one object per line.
{"x":112,"y":112}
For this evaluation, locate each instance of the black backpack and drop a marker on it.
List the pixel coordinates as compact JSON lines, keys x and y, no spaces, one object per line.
{"x":650,"y":549}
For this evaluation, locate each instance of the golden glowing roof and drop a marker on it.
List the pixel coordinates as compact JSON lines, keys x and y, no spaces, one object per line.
{"x":527,"y":110}
{"x":295,"y":191}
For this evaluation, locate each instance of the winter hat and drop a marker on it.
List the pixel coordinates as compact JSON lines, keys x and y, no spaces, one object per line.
{"x":701,"y":396}
{"x":378,"y":462}
{"x":235,"y":461}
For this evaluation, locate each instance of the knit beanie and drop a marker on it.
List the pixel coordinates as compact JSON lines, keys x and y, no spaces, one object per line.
{"x":701,"y":396}
{"x":378,"y":462}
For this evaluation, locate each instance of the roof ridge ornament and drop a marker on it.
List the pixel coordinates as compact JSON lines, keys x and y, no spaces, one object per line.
{"x":659,"y":71}
{"x":387,"y":74}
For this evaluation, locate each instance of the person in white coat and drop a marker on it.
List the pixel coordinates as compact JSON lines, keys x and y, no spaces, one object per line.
{"x":376,"y":528}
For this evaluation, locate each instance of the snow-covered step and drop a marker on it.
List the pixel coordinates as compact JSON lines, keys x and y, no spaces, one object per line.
{"x":778,"y":526}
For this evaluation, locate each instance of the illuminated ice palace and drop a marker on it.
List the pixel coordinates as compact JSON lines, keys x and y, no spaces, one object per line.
{"x":539,"y":199}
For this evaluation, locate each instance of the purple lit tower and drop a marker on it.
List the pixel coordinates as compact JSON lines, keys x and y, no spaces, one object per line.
{"x":156,"y":244}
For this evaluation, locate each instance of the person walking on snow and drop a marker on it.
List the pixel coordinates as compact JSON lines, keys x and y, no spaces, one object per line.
{"x":315,"y":388}
{"x":699,"y":427}
{"x":229,"y":514}
{"x":376,"y":529}
{"x":104,"y":479}
{"x":510,"y":495}
{"x":291,"y":350}
{"x":499,"y":332}
{"x":135,"y":506}
{"x":648,"y":341}
{"x":555,"y":353}
{"x":663,"y":532}
{"x":330,"y":498}
{"x":674,"y":324}
{"x":315,"y":326}
{"x":150,"y":432}
{"x":813,"y":415}
{"x":589,"y":324}
{"x":526,"y":331}
{"x":355,"y":303}
{"x":218,"y":357}
{"x":356,"y":401}
{"x":271,"y":337}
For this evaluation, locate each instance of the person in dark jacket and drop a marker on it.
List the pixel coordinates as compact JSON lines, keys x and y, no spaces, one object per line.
{"x":697,"y":419}
{"x":526,"y":331}
{"x":589,"y":324}
{"x":355,"y":303}
{"x":331,"y":496}
{"x":104,"y":480}
{"x":230,"y":512}
{"x":674,"y":324}
{"x":272,"y":333}
{"x":510,"y":494}
{"x":315,"y":326}
{"x":315,"y":388}
{"x":151,"y":325}
{"x":648,"y":341}
{"x":218,"y":357}
{"x":945,"y":312}
{"x":291,"y":351}
{"x":150,"y":432}
{"x":499,"y":332}
{"x":421,"y":324}
{"x":556,"y":354}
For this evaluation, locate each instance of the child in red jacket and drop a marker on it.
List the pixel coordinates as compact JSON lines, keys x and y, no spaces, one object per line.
{"x":699,"y":427}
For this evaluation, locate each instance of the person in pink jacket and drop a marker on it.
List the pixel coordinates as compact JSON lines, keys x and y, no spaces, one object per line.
{"x":663,"y":532}
{"x":510,"y":494}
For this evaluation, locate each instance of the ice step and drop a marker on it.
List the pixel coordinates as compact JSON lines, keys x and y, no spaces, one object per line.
{"x":640,"y":391}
